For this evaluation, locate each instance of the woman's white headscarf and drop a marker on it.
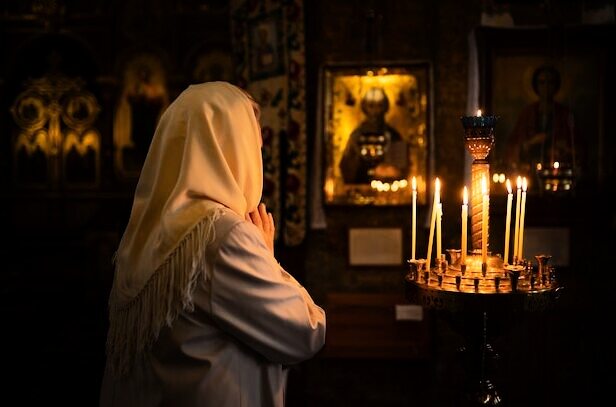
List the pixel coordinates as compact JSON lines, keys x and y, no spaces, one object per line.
{"x":205,"y":154}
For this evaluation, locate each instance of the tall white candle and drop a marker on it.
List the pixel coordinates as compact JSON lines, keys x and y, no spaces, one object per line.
{"x":464,"y":224}
{"x":484,"y":221}
{"x":414,"y":216}
{"x":516,"y":234}
{"x":522,"y":215}
{"x":437,"y":194}
{"x":508,"y":222}
{"x":439,"y":240}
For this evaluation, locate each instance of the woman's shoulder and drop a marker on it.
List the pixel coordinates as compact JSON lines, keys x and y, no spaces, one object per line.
{"x":227,"y":219}
{"x":232,"y":229}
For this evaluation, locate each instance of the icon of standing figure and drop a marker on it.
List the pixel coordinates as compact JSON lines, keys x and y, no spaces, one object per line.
{"x":142,"y":101}
{"x":375,"y":150}
{"x":544,"y":132}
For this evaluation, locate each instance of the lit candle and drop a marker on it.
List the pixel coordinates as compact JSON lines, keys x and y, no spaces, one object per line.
{"x":439,"y":221}
{"x":464,"y":223}
{"x":478,"y":112}
{"x":516,"y":234}
{"x":522,"y":214}
{"x":437,"y":193}
{"x":508,"y":221}
{"x":414,"y":226}
{"x":484,"y":221}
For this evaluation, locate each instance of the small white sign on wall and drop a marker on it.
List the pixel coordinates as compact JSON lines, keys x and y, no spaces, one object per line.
{"x":409,"y":312}
{"x":375,"y":246}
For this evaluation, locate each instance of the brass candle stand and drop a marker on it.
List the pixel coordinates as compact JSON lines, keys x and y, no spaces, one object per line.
{"x":472,"y":285}
{"x":471,"y":290}
{"x":469,"y":294}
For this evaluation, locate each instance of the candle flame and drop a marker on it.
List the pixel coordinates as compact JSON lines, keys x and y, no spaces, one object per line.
{"x":556,"y":164}
{"x":478,"y":112}
{"x":484,"y":186}
{"x":437,"y":184}
{"x":519,"y":182}
{"x":414,"y":183}
{"x":508,"y":186}
{"x":524,"y":184}
{"x":465,"y":196}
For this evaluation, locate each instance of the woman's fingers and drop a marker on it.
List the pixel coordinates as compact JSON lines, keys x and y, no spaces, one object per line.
{"x":264,"y":217}
{"x":255,"y":216}
{"x":265,"y":222}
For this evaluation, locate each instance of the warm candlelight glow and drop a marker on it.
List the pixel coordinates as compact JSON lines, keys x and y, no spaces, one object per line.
{"x":486,"y":270}
{"x":330,"y":186}
{"x":437,"y":199}
{"x":464,"y":224}
{"x":516,"y":234}
{"x":414,"y":219}
{"x":508,"y":221}
{"x":522,"y":215}
{"x":484,"y":221}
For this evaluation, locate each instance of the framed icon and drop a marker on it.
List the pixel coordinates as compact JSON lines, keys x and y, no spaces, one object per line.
{"x":376,"y":129}
{"x":265,"y":40}
{"x":550,"y":103}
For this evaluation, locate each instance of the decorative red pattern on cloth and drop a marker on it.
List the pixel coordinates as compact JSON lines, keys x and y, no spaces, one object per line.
{"x":277,"y":80}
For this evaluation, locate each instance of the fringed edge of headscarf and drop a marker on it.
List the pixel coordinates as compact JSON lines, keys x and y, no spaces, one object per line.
{"x":133,"y":327}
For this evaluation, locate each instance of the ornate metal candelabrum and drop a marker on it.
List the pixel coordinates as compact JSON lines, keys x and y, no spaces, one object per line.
{"x":472,"y":288}
{"x":468,"y":294}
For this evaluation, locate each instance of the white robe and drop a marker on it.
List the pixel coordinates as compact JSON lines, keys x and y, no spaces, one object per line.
{"x":251,"y":320}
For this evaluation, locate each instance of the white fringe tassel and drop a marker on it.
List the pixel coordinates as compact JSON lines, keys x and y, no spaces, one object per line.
{"x":135,"y":326}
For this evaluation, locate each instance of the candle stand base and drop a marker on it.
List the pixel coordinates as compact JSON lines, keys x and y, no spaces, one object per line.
{"x":473,"y":301}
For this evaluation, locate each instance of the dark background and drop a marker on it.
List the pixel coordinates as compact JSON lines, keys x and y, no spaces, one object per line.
{"x":56,"y":260}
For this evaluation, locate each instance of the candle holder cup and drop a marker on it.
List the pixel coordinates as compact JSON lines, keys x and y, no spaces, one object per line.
{"x":514,"y":272}
{"x":542,"y":267}
{"x":479,"y":135}
{"x":455,"y":256}
{"x":415,"y":266}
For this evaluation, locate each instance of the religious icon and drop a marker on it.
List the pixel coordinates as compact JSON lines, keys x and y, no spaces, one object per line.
{"x":265,"y":35}
{"x":544,"y":131}
{"x":552,"y":126}
{"x":375,"y":149}
{"x":377,"y":132}
{"x":144,"y":98}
